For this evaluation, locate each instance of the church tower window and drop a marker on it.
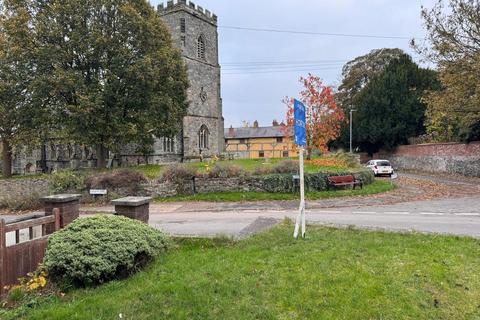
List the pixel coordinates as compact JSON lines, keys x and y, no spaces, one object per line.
{"x":201,"y":47}
{"x":203,"y":137}
{"x":183,"y":25}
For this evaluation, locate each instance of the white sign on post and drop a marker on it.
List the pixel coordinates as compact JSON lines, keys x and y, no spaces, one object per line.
{"x":300,"y":140}
{"x":98,"y":192}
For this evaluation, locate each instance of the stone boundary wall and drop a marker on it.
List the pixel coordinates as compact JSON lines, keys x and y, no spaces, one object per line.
{"x":23,"y":187}
{"x":449,"y":158}
{"x":202,"y":185}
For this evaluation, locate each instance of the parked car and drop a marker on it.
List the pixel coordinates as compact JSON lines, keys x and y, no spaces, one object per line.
{"x":380,"y":167}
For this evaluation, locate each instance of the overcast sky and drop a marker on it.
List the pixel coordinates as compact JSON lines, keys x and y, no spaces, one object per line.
{"x":253,"y":91}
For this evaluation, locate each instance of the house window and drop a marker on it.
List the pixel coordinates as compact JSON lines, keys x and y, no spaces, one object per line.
{"x":285,"y":154}
{"x":201,"y":47}
{"x":279,"y":140}
{"x":261,"y":154}
{"x":183,"y":40}
{"x":243,"y":141}
{"x":183,"y":25}
{"x":168,"y":144}
{"x":203,"y":137}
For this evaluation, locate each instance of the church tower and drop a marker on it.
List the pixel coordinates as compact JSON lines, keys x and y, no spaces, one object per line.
{"x":194,"y":31}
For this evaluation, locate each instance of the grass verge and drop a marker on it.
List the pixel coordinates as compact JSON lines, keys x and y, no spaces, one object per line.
{"x":333,"y":274}
{"x":378,"y":186}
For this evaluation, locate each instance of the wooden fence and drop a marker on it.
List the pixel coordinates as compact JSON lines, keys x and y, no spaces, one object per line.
{"x":18,"y":260}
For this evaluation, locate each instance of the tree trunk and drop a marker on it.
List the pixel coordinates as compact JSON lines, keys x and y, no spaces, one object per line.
{"x":6,"y":159}
{"x":101,"y":156}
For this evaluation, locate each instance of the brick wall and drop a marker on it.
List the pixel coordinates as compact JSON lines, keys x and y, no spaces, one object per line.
{"x":450,"y":158}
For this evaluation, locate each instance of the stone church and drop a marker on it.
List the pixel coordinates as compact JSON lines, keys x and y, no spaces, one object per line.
{"x":194,"y":31}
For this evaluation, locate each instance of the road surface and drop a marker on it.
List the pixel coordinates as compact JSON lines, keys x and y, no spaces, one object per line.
{"x":449,"y":216}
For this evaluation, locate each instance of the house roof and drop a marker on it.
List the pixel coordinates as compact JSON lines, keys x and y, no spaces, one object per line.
{"x":260,"y":132}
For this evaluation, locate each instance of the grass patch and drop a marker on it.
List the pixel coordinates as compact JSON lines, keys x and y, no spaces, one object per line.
{"x":378,"y":186}
{"x":333,"y":274}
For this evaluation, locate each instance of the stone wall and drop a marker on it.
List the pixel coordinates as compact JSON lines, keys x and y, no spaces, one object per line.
{"x":449,"y":158}
{"x":23,"y":187}
{"x":203,"y":185}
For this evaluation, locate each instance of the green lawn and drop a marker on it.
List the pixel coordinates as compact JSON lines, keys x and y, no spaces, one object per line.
{"x":378,"y":186}
{"x":333,"y":274}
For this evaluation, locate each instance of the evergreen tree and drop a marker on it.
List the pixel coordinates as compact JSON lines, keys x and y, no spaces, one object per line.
{"x":356,"y":74}
{"x":110,"y":71}
{"x":389,"y":108}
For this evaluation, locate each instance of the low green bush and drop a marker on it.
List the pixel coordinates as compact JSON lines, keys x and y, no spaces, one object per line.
{"x":227,"y":170}
{"x":67,"y":181}
{"x":282,"y":183}
{"x":98,"y":249}
{"x":351,"y":160}
{"x":177,"y":172}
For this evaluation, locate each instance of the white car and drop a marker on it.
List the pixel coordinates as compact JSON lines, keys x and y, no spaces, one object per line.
{"x":380,"y":167}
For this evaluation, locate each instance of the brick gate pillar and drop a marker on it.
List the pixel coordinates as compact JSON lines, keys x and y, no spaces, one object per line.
{"x":68,"y":206}
{"x":137,"y":208}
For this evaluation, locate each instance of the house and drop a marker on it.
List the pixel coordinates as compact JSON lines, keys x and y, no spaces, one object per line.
{"x":260,"y":142}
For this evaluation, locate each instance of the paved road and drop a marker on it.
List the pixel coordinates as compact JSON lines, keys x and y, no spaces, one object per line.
{"x":450,"y":216}
{"x":455,"y":209}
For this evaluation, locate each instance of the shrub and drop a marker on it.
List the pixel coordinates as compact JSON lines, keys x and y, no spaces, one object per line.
{"x":286,"y":166}
{"x":67,"y":181}
{"x":180,"y":176}
{"x":282,"y":183}
{"x":263,"y":170}
{"x":349,"y":159}
{"x":98,"y":249}
{"x":177,"y":172}
{"x":366,"y":175}
{"x":226,"y":171}
{"x":128,"y":180}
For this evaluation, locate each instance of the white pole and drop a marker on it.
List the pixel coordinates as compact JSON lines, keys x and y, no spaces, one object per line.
{"x":301,"y":210}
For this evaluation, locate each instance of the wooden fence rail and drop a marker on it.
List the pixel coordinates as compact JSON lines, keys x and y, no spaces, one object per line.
{"x":19,"y":259}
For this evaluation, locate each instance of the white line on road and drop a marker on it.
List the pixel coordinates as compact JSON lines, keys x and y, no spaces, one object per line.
{"x":398,"y":212}
{"x":364,"y":212}
{"x":433,"y":213}
{"x":467,"y":214}
{"x":327,"y":212}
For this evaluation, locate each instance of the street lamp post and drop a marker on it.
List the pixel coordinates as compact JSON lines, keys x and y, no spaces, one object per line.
{"x":351,"y":129}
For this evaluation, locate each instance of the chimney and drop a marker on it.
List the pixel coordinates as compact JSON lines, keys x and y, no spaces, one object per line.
{"x":255,"y":124}
{"x":231,"y":131}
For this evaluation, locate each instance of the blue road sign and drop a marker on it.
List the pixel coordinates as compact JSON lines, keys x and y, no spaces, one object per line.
{"x":300,"y":123}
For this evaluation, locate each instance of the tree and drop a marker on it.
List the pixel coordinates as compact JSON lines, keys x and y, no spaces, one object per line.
{"x":111,"y":72}
{"x":323,"y":114}
{"x":389,"y":108}
{"x":356,"y":74}
{"x":454,"y":45}
{"x":21,"y":118}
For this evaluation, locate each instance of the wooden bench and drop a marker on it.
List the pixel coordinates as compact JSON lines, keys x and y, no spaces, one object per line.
{"x":340,"y":181}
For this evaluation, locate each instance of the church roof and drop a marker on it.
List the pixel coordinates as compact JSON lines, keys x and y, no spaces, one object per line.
{"x":260,"y":132}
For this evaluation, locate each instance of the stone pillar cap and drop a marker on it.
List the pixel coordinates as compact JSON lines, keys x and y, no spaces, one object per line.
{"x":60,"y":198}
{"x":132,"y":201}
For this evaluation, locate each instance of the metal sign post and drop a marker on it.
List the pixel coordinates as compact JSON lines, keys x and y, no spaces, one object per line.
{"x":300,"y":140}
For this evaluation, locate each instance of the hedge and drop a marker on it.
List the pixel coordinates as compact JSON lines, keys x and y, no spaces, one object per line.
{"x":282,"y":183}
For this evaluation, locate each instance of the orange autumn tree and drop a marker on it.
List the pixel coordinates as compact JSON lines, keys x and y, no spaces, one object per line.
{"x":324,"y":116}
